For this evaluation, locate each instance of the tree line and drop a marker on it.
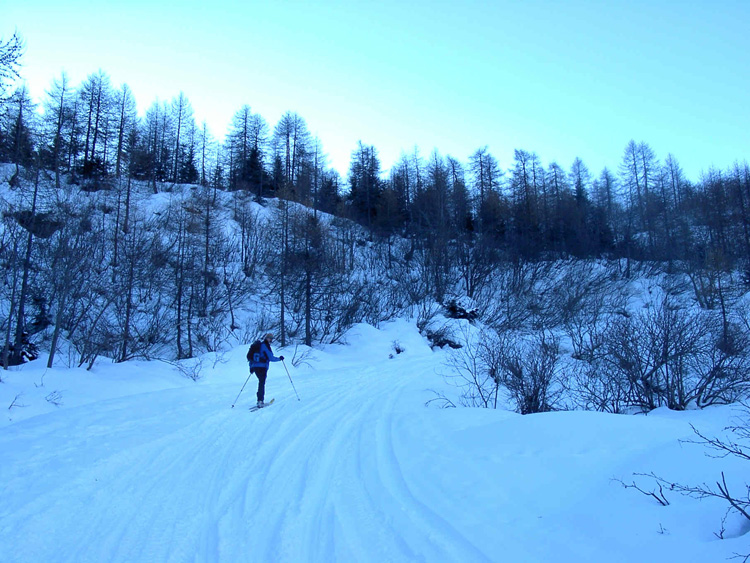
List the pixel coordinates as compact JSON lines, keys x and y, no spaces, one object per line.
{"x":86,"y":261}
{"x":644,"y":210}
{"x":93,"y":134}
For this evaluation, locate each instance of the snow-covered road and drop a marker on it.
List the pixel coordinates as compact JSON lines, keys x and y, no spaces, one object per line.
{"x":358,"y":470}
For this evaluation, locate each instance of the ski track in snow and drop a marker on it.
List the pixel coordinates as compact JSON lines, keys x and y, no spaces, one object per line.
{"x":335,"y":486}
{"x":299,"y":481}
{"x":358,"y":470}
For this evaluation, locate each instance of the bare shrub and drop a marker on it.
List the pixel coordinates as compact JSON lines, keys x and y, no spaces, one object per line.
{"x":54,"y":398}
{"x":192,"y":369}
{"x":586,"y":326}
{"x":441,"y":401}
{"x":706,"y":283}
{"x":671,"y":356}
{"x":595,"y":388}
{"x":530,"y":370}
{"x":572,"y":289}
{"x":527,"y":369}
{"x":301,"y":355}
{"x":426,"y":312}
{"x":510,"y":296}
{"x":472,"y":367}
{"x":721,"y":369}
{"x":14,"y":404}
{"x":737,"y":503}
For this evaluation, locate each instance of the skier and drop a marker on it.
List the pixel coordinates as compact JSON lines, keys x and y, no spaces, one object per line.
{"x":259,"y":365}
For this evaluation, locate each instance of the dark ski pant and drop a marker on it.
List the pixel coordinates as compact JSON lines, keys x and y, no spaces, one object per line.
{"x":261,"y":373}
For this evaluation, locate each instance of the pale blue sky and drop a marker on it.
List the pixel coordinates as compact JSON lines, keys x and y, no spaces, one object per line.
{"x":563,"y":79}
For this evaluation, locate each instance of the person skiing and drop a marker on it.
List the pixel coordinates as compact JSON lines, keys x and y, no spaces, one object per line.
{"x":259,"y":365}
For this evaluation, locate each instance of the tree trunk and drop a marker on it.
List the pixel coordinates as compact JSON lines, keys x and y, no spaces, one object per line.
{"x":56,"y":332}
{"x":308,"y":306}
{"x":17,"y":355}
{"x":11,"y":308}
{"x":128,"y":301}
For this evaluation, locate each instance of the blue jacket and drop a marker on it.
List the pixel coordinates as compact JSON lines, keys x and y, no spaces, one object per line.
{"x":266,"y":356}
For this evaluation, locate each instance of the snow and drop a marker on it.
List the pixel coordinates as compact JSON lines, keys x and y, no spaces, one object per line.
{"x":139,"y":463}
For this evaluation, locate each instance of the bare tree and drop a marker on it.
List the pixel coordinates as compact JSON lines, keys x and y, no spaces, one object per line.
{"x":95,"y":94}
{"x":57,"y":112}
{"x":184,"y":169}
{"x":291,"y":140}
{"x":11,"y":244}
{"x":486,"y":174}
{"x":16,"y":355}
{"x":206,"y":142}
{"x":126,"y":123}
{"x":11,"y":52}
{"x":73,"y":272}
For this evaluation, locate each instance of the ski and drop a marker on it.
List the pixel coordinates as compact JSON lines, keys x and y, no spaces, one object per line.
{"x":257,"y":408}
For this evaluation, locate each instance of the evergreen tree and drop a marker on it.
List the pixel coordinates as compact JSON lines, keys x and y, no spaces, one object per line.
{"x":247,"y":140}
{"x":19,"y":126}
{"x":291,"y":142}
{"x":364,"y":183}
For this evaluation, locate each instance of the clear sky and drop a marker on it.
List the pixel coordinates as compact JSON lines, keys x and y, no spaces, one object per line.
{"x":565,"y":79}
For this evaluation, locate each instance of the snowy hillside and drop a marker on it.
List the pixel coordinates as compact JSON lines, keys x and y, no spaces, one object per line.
{"x":137,"y":463}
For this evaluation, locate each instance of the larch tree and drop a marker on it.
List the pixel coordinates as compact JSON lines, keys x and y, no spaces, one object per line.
{"x":318,"y":166}
{"x":291,"y":140}
{"x":604,"y":193}
{"x":581,"y":238}
{"x":95,"y":94}
{"x":19,"y":124}
{"x":126,"y":122}
{"x":10,"y":61}
{"x":558,"y":193}
{"x":364,"y":182}
{"x":638,"y":172}
{"x":247,"y":139}
{"x":402,"y":183}
{"x":205,"y":145}
{"x":184,"y":131}
{"x":526,"y":177}
{"x":485,"y":172}
{"x":57,"y":112}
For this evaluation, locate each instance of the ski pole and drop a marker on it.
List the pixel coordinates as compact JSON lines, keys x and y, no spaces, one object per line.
{"x":290,"y":379}
{"x":243,"y":388}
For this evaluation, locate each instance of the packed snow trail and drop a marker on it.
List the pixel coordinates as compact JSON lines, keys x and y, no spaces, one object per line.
{"x":177,"y":475}
{"x":358,"y":470}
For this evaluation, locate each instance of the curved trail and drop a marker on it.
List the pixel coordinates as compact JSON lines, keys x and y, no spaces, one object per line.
{"x":178,"y":476}
{"x":359,"y":470}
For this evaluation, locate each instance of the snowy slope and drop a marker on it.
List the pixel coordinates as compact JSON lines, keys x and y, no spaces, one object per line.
{"x":140,"y":464}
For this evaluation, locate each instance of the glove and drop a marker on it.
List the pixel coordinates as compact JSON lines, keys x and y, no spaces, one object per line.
{"x":281,"y":358}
